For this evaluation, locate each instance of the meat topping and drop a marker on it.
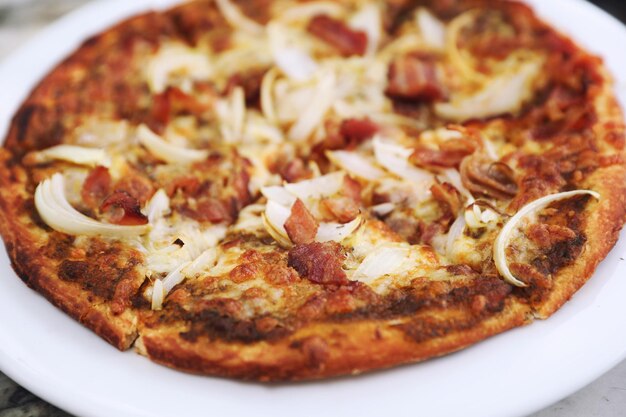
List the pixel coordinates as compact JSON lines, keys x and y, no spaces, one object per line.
{"x":319,"y":262}
{"x":301,"y":226}
{"x":413,"y":78}
{"x":336,"y":33}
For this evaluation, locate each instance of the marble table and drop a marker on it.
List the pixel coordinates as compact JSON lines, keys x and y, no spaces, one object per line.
{"x":606,"y":397}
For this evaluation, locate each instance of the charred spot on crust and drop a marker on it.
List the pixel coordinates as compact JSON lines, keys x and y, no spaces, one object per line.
{"x":218,"y":325}
{"x":426,"y":328}
{"x":99,"y":273}
{"x":22,"y":121}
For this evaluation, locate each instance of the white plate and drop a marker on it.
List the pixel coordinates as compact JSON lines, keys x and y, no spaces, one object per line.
{"x":512,"y":374}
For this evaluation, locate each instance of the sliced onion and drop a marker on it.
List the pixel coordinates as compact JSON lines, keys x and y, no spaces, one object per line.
{"x":504,"y":94}
{"x":355,"y":164}
{"x":394,"y":158}
{"x":158,"y":206}
{"x":456,"y":230}
{"x":432,"y":29}
{"x":477,"y":217}
{"x":232,"y":115}
{"x":279,"y":195}
{"x":454,"y":178}
{"x":455,"y":56}
{"x":383,"y":209}
{"x":369,"y":21}
{"x":267,"y":95}
{"x":237,"y":19}
{"x":166,"y":151}
{"x":158,"y":295}
{"x":314,"y":114}
{"x":78,"y":155}
{"x":502,"y":241}
{"x":289,"y":57}
{"x":317,"y":188}
{"x":282,"y":239}
{"x":174,"y":278}
{"x":56,"y":212}
{"x":308,"y":10}
{"x":206,"y":258}
{"x":173,"y":60}
{"x":276,"y":215}
{"x":336,"y":231}
{"x":385,"y":259}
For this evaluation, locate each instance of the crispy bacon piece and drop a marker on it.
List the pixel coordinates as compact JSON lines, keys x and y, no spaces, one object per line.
{"x":301,"y":226}
{"x":239,"y":182}
{"x":530,"y":275}
{"x":542,"y":177}
{"x":209,"y":209}
{"x":319,"y":262}
{"x":357,"y":131}
{"x":447,"y":197}
{"x":449,"y":155}
{"x":174,"y":101}
{"x":250,"y":82}
{"x":137,"y":185}
{"x":351,"y":189}
{"x":96,"y":187}
{"x":345,"y":207}
{"x":347,"y":135}
{"x":411,"y":77}
{"x":339,"y":35}
{"x":547,"y":235}
{"x":122,"y":208}
{"x":216,"y":191}
{"x":189,"y":185}
{"x":493,"y":179}
{"x":295,"y":171}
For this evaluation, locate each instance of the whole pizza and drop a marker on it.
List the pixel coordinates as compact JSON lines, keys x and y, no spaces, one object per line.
{"x":285,"y":190}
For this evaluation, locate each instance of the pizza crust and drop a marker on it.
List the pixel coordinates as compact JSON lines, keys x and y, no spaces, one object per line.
{"x":24,"y":240}
{"x":319,"y":350}
{"x":603,"y":219}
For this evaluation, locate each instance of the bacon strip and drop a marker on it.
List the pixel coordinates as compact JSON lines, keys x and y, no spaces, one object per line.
{"x":96,"y":187}
{"x":250,"y":82}
{"x":413,"y":78}
{"x":295,"y":171}
{"x":319,"y":262}
{"x":547,"y":235}
{"x":338,"y":34}
{"x":449,"y":155}
{"x":174,"y":101}
{"x":357,"y":131}
{"x":123,"y":209}
{"x":493,"y":179}
{"x":347,"y":135}
{"x":209,"y":209}
{"x":345,"y":207}
{"x":301,"y":226}
{"x":447,"y":197}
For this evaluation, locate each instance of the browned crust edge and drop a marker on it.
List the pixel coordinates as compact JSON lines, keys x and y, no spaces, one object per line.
{"x":603,"y":219}
{"x":39,"y":273}
{"x":319,"y":350}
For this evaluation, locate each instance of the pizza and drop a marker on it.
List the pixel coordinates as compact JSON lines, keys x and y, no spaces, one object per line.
{"x":288,"y":190}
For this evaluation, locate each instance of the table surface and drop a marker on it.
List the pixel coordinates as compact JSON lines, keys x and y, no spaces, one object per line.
{"x":606,"y":397}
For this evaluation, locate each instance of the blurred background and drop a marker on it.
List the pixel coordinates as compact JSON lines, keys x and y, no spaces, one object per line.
{"x":21,"y":19}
